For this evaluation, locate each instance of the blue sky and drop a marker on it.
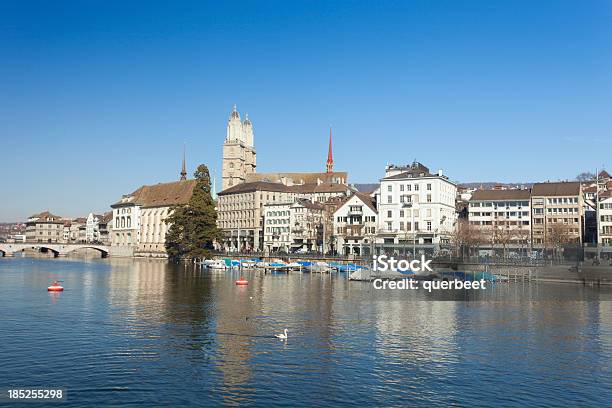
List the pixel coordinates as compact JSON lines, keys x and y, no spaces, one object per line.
{"x":98,"y":97}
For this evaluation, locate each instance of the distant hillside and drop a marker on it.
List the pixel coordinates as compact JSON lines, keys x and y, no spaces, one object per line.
{"x":491,"y":184}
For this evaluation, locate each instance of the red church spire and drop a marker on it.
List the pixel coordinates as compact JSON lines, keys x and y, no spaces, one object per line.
{"x":330,"y":156}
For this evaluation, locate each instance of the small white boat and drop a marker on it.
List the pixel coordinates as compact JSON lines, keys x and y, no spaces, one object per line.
{"x":216,"y":264}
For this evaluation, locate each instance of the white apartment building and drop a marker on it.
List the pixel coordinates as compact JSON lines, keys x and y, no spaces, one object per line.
{"x":92,"y":232}
{"x":277,"y":230}
{"x":415,"y":205}
{"x":604,"y":219}
{"x":354,"y":225}
{"x":504,"y":216}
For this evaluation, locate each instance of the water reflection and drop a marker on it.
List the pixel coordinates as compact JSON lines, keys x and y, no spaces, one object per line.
{"x":170,"y":334}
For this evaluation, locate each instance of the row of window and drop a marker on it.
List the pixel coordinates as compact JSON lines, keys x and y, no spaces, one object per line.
{"x":506,"y":214}
{"x":500,"y":204}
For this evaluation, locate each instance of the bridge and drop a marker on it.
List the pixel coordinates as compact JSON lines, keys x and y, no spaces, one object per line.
{"x":57,"y":249}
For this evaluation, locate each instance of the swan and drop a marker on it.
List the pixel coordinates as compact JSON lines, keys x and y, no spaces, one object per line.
{"x":281,"y":336}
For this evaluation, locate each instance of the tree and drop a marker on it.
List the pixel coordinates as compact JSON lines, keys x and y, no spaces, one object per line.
{"x":193,"y":226}
{"x":585,"y":176}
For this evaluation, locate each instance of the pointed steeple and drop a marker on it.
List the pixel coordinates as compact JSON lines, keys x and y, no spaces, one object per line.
{"x":330,"y":157}
{"x":183,"y":169}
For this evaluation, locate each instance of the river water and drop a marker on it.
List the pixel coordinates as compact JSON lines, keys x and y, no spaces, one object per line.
{"x":149,"y":333}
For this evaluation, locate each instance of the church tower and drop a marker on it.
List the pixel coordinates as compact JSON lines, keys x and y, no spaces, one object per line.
{"x":329,"y":166}
{"x":239,"y":158}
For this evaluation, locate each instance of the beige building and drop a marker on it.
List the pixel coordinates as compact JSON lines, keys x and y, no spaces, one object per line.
{"x":139,"y":219}
{"x":241,"y":208}
{"x":45,"y":227}
{"x":557,"y":213}
{"x":503,"y":216}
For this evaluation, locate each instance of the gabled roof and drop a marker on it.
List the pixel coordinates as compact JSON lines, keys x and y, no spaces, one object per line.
{"x":604,"y":174}
{"x":364,"y":198}
{"x":556,"y":189}
{"x":162,"y":194}
{"x":492,"y":195}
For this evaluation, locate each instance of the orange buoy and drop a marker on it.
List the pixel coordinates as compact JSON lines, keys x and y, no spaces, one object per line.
{"x":242,"y":281}
{"x":55,"y":287}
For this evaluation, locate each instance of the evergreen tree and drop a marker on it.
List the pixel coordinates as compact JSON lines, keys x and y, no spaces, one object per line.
{"x":193,"y":228}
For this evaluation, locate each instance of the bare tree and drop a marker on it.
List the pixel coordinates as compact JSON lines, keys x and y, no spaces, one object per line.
{"x":558,"y":234}
{"x":585,"y":176}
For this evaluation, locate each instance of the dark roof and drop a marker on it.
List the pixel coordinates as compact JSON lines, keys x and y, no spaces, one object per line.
{"x":604,"y":174}
{"x":278,"y":187}
{"x":413,"y":170}
{"x":162,"y":194}
{"x":556,"y":189}
{"x":482,"y":195}
{"x":366,"y":187}
{"x":319,"y":188}
{"x":255,"y":186}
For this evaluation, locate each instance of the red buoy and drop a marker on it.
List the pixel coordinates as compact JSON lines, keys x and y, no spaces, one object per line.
{"x":242,"y":281}
{"x":55,"y":287}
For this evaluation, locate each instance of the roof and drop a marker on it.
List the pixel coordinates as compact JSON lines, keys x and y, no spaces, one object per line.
{"x":319,"y":188}
{"x":556,"y":189}
{"x":364,"y":198}
{"x":604,"y":174}
{"x":298,"y":178}
{"x":590,"y":189}
{"x":46,"y":216}
{"x":254,"y":186}
{"x":309,"y":204}
{"x":492,"y":195}
{"x":279,"y":187}
{"x":366,"y":187}
{"x":162,"y":194}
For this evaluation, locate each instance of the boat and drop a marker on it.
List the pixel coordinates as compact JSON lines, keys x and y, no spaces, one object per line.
{"x":55,"y":287}
{"x":215,"y":264}
{"x":242,"y":281}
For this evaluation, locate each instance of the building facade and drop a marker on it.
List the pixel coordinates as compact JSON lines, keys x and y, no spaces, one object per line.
{"x":241,"y":209}
{"x":605,"y":218}
{"x":415,"y":205}
{"x":45,"y":227}
{"x":557,"y":214}
{"x":502,"y":216}
{"x":139,"y":224}
{"x":355,"y":225}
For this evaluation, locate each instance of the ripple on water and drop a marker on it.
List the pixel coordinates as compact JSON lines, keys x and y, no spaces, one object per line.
{"x":149,"y":333}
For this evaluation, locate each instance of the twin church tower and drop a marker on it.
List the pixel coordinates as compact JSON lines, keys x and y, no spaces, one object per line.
{"x":240,"y":159}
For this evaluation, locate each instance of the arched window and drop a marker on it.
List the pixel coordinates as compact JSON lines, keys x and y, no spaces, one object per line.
{"x":129,"y":222}
{"x":122,"y":222}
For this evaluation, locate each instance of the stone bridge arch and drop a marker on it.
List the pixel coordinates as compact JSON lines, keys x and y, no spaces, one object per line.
{"x":102,"y":251}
